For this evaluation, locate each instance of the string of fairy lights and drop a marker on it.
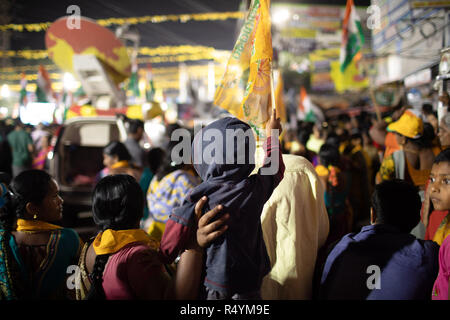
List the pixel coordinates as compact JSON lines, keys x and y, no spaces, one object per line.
{"x":183,"y":18}
{"x":147,"y":55}
{"x":11,"y":75}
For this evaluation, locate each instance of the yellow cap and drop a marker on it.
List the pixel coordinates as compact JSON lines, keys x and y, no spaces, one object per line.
{"x":409,"y":125}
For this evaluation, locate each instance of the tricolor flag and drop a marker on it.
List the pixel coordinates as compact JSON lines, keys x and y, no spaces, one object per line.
{"x":308,"y":111}
{"x":150,"y":87}
{"x":66,"y":99}
{"x":23,"y":100}
{"x":133,"y":83}
{"x":44,"y":90}
{"x":352,"y":36}
{"x":245,"y":87}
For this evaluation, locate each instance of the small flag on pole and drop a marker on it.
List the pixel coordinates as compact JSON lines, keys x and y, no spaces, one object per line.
{"x":133,"y":84}
{"x":352,"y":37}
{"x":44,"y":87}
{"x":246,"y":85}
{"x":308,"y":111}
{"x":150,"y":87}
{"x":23,"y":100}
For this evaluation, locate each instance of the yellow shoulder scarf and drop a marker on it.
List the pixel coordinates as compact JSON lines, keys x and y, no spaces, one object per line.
{"x":35,"y":225}
{"x":356,"y":149}
{"x":330,"y":172}
{"x":443,"y":231}
{"x":110,"y":241}
{"x":322,"y":171}
{"x":120,"y":164}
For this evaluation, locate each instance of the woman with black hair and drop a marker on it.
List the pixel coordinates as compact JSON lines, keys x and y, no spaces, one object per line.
{"x":11,"y":286}
{"x":155,"y":157}
{"x":336,"y":182}
{"x":168,"y":188}
{"x":122,"y":262}
{"x":415,"y":158}
{"x":116,"y":160}
{"x":42,"y":251}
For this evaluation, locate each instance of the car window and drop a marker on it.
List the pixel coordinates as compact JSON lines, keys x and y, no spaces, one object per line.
{"x":91,"y":134}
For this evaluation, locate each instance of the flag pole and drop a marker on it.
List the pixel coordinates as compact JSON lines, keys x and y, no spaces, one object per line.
{"x":375,"y":105}
{"x":365,"y":64}
{"x":272,"y":90}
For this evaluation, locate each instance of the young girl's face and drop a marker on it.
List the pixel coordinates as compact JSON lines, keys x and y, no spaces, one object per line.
{"x":440,"y":186}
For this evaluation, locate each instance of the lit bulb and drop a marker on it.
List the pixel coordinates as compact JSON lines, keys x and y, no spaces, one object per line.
{"x":69,"y":81}
{"x":281,"y":16}
{"x":4,"y":92}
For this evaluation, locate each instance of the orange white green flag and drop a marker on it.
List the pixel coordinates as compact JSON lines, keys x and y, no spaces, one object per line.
{"x":352,"y":36}
{"x":245,"y":87}
{"x":307,"y":110}
{"x":44,"y":90}
{"x":23,"y":90}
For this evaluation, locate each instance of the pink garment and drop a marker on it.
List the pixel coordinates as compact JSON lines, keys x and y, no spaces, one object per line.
{"x":440,"y":288}
{"x":131,"y":273}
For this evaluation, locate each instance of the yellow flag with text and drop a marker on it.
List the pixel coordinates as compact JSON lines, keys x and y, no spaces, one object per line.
{"x":245,"y":87}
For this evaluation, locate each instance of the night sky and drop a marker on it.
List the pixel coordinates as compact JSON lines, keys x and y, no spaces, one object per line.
{"x":218,"y":34}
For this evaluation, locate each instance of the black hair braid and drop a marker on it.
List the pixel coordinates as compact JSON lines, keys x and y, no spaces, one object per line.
{"x":14,"y":280}
{"x":7,"y":216}
{"x":18,"y":205}
{"x":96,"y":291}
{"x":116,"y":220}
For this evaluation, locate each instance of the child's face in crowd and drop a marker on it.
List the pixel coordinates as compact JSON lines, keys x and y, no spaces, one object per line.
{"x":440,"y":186}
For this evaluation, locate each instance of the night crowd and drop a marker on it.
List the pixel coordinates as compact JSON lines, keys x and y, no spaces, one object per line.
{"x":357,"y":208}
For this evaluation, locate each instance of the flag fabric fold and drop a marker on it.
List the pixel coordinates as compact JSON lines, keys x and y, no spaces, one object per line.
{"x":279,"y":98}
{"x":244,"y":90}
{"x":23,"y":100}
{"x":133,"y":82}
{"x":352,"y":37}
{"x":150,"y":86}
{"x":308,"y":111}
{"x":44,"y":90}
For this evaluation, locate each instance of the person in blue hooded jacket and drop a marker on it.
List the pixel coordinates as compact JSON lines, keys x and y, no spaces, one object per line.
{"x":224,"y":157}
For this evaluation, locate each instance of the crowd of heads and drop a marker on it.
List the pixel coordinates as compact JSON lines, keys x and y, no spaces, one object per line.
{"x":118,"y":200}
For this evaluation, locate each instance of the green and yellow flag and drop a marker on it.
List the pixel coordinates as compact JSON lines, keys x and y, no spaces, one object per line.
{"x":245,"y":87}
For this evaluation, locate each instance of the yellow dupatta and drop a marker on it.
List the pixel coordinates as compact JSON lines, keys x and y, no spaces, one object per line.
{"x":111,"y":241}
{"x":120,"y":164}
{"x":35,"y":225}
{"x":331,"y":173}
{"x":443,"y":231}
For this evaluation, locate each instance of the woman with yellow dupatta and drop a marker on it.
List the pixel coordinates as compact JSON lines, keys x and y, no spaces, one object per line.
{"x":116,"y":160}
{"x":42,"y":250}
{"x":122,"y":262}
{"x":337,"y":184}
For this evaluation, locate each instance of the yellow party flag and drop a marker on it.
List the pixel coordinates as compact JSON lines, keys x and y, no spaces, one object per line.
{"x":245,"y":87}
